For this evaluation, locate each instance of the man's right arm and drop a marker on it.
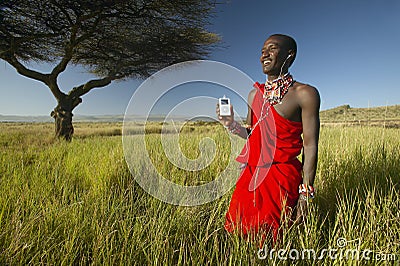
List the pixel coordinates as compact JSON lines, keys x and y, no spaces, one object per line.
{"x":228,"y":120}
{"x":250,"y":99}
{"x":243,"y":130}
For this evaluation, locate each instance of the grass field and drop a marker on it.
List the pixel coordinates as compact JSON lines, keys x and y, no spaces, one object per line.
{"x":77,"y":203}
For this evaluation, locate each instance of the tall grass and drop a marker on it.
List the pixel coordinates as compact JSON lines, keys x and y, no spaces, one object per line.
{"x":77,"y":203}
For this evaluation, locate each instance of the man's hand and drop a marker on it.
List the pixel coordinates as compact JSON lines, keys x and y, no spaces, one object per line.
{"x":225,"y":120}
{"x":301,"y":211}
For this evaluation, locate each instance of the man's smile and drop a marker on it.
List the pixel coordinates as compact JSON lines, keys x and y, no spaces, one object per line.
{"x":267,"y":62}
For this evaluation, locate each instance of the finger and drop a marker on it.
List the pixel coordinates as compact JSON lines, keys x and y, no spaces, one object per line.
{"x":300,"y":219}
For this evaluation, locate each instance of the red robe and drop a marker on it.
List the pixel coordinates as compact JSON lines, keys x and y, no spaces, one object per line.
{"x":269,"y":183}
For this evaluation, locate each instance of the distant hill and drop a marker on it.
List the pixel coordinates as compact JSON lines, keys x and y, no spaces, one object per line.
{"x":20,"y":118}
{"x":390,"y":115}
{"x":85,"y":118}
{"x":76,"y":118}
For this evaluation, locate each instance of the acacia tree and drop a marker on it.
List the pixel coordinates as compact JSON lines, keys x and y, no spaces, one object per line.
{"x":112,"y":39}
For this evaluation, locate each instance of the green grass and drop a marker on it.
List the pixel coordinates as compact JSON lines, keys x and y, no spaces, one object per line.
{"x":77,"y":203}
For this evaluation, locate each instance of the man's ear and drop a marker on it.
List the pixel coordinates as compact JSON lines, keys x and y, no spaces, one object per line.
{"x":291,"y":56}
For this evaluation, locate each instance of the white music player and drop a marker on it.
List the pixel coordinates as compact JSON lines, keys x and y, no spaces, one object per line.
{"x":224,"y":106}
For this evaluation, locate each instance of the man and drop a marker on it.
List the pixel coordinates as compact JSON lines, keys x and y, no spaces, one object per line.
{"x":273,"y":180}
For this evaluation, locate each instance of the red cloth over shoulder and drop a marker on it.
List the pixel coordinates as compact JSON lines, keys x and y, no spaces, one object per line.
{"x":269,"y":183}
{"x":274,"y":139}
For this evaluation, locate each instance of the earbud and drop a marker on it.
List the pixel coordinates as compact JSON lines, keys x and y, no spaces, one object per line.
{"x":289,"y":56}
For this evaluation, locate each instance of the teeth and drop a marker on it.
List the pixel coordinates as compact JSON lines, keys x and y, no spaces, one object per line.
{"x":267,"y":62}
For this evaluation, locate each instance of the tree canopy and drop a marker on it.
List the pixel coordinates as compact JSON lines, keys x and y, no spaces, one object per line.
{"x":112,"y":39}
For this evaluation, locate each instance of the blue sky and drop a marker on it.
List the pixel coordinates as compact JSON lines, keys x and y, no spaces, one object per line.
{"x":347,"y":49}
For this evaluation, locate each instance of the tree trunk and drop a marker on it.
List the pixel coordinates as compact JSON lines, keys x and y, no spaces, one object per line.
{"x":62,"y":115}
{"x":63,"y":123}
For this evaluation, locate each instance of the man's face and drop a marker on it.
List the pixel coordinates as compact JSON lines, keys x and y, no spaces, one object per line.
{"x":273,"y":55}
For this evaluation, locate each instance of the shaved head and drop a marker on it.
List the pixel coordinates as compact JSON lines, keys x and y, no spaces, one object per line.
{"x":288,"y":42}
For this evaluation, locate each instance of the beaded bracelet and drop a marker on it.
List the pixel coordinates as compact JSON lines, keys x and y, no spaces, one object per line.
{"x":306,"y":192}
{"x":234,"y":127}
{"x":305,"y":198}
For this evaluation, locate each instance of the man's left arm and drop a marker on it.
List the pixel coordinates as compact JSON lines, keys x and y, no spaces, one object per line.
{"x":309,"y":101}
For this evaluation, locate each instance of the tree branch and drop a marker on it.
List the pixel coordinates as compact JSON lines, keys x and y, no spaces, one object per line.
{"x":21,"y":69}
{"x":91,"y":31}
{"x":35,"y":36}
{"x":89,"y":16}
{"x":29,"y":73}
{"x":64,"y":11}
{"x":85,"y":88}
{"x":62,"y":65}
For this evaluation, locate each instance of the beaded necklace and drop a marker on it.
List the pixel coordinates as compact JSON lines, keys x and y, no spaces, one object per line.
{"x":275,"y":90}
